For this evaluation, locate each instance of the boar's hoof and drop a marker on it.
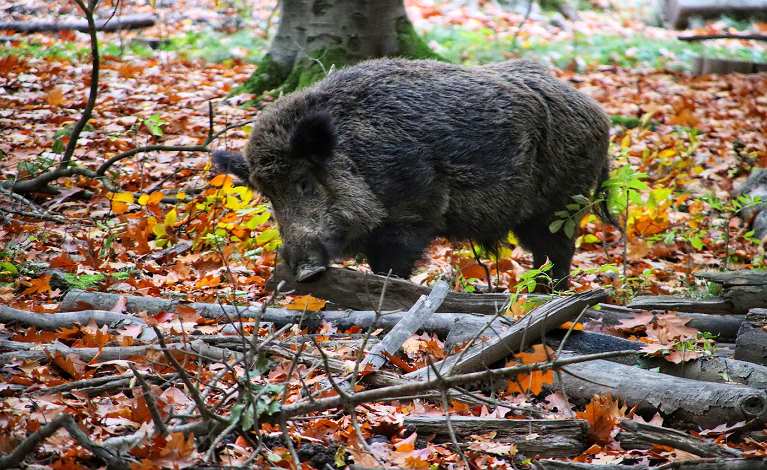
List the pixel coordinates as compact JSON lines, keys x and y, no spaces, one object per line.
{"x":306,"y":273}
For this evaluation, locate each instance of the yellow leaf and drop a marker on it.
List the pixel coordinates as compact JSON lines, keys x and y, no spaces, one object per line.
{"x":159,"y":230}
{"x":626,"y":141}
{"x":125,"y":197}
{"x":667,"y":153}
{"x":181,"y":195}
{"x":306,"y":303}
{"x":143,"y":199}
{"x":233,"y":203}
{"x":170,"y":218}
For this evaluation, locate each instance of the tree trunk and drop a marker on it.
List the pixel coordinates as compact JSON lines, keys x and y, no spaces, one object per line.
{"x":678,"y":13}
{"x":316,"y":36}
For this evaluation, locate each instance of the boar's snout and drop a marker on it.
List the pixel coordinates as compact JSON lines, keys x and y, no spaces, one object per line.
{"x":306,"y":258}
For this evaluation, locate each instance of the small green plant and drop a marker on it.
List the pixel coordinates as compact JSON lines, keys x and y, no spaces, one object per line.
{"x":728,"y":209}
{"x":568,"y":219}
{"x":154,"y":123}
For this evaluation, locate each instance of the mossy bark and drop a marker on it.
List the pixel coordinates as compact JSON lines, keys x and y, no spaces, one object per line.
{"x":316,"y":37}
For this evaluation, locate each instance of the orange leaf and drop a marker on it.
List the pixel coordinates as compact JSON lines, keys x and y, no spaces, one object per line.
{"x":39,"y":285}
{"x":306,"y":303}
{"x":55,"y":97}
{"x":407,"y":444}
{"x":602,"y":414}
{"x":575,"y":326}
{"x":534,"y":381}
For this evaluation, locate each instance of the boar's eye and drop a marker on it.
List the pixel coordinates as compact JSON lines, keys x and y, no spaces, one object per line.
{"x":305,"y":187}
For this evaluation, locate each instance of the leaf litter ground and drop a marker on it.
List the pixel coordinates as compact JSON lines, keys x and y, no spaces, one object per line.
{"x":176,"y":230}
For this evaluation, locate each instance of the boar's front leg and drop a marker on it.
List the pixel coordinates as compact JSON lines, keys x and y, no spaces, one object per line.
{"x":536,"y":237}
{"x":396,"y":248}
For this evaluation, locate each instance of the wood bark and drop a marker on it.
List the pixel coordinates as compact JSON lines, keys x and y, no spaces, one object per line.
{"x":412,"y":321}
{"x":636,"y":435}
{"x":725,"y":327}
{"x":314,"y":36}
{"x":53,"y":321}
{"x":744,"y":289}
{"x":671,"y":302}
{"x":707,"y":369}
{"x":683,"y":402}
{"x":114,"y":24}
{"x":701,"y":464}
{"x":529,"y":329}
{"x":677,"y":13}
{"x":751,"y":344}
{"x":440,"y":323}
{"x":361,"y":291}
{"x":533,"y":437}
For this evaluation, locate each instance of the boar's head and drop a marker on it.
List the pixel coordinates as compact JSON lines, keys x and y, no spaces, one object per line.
{"x":323,"y":206}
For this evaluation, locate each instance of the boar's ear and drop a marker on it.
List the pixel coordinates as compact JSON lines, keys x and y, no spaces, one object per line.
{"x":314,"y":137}
{"x":232,"y":163}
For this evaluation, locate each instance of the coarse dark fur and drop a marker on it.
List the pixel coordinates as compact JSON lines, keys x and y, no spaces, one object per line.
{"x":382,"y":157}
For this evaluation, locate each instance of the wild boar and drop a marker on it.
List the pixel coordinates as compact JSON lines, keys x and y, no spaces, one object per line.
{"x":381,"y":157}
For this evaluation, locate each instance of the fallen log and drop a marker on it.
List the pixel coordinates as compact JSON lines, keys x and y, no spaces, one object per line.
{"x":440,"y":323}
{"x":706,"y":37}
{"x":407,"y":326}
{"x":42,"y":352}
{"x":116,"y":23}
{"x":516,"y":338}
{"x":362,"y":291}
{"x":712,"y":65}
{"x":744,"y":290}
{"x":671,"y":302}
{"x":725,"y":327}
{"x":533,"y":437}
{"x":684,"y":402}
{"x":677,"y":13}
{"x":700,"y":464}
{"x":558,"y":465}
{"x":751,"y":344}
{"x":54,"y":321}
{"x":707,"y":369}
{"x":636,"y":435}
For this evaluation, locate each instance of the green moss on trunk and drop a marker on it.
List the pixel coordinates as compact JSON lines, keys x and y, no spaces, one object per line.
{"x":268,"y":76}
{"x":411,"y":45}
{"x":311,"y":69}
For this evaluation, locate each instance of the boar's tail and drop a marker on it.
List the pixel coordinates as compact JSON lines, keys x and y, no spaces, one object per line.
{"x":603,"y":211}
{"x":232,"y":163}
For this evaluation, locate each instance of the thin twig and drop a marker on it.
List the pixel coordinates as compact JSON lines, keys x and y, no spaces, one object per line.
{"x":94,"y":88}
{"x":159,"y":425}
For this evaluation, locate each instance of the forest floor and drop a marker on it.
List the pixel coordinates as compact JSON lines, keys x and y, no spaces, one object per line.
{"x":167,"y":226}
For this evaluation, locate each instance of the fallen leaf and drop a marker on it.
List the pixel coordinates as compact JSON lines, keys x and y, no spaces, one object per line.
{"x":306,"y":303}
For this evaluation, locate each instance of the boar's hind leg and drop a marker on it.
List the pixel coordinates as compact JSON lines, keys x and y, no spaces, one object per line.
{"x":557,"y":247}
{"x":397,"y":249}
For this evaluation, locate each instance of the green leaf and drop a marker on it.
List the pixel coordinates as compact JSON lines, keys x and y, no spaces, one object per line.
{"x":570,"y":228}
{"x":556,"y":225}
{"x":581,"y":199}
{"x":6,"y":268}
